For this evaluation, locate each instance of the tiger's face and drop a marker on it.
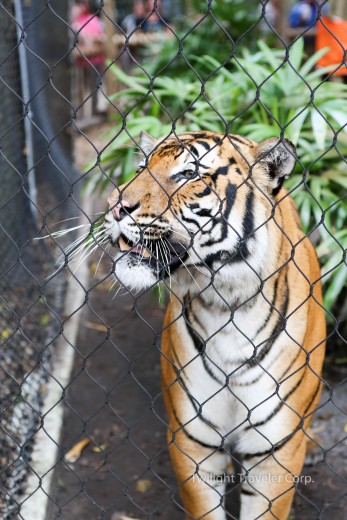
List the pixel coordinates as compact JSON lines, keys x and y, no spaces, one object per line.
{"x":200,"y":201}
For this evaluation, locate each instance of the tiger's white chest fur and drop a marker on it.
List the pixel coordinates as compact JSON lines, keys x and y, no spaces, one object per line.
{"x":236,"y":348}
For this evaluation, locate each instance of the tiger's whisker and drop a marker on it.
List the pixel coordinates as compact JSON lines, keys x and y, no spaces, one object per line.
{"x":84,"y":248}
{"x":71,"y":253}
{"x":101,"y":257}
{"x":58,"y":234}
{"x":169,"y":271}
{"x":85,"y":258}
{"x":67,"y":220}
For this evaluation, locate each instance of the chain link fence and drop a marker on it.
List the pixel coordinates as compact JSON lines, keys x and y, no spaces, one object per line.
{"x":193,"y":285}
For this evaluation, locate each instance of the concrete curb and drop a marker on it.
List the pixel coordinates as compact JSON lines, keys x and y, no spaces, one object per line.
{"x":45,"y":451}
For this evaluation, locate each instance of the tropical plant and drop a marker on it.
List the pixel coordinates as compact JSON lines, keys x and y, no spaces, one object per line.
{"x":230,"y":25}
{"x":261,"y":94}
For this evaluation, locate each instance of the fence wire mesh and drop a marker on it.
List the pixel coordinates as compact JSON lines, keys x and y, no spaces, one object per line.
{"x":161,"y":354}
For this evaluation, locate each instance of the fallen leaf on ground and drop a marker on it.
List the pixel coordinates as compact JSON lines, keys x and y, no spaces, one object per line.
{"x":45,"y":319}
{"x":99,"y":449}
{"x":75,"y":452}
{"x":122,"y":516}
{"x":95,"y":326}
{"x":143,"y":485}
{"x":5,"y":334}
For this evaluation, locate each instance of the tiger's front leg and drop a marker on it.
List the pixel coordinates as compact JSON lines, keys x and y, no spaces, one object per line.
{"x":197,"y":469}
{"x":268,"y":482}
{"x":200,"y":467}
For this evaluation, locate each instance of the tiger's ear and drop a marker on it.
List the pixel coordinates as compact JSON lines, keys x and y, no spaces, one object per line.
{"x":278,"y":159}
{"x":147,"y":144}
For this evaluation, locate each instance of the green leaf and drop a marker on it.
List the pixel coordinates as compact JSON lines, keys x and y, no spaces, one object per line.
{"x":259,"y":132}
{"x":320,"y":129}
{"x":306,"y":211}
{"x":268,"y":54}
{"x":311,"y":62}
{"x":127,"y":79}
{"x":296,"y":53}
{"x":296,"y":124}
{"x":340,"y":117}
{"x":336,"y":283}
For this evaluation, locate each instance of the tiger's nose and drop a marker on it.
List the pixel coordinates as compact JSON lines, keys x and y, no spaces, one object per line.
{"x":118,"y":208}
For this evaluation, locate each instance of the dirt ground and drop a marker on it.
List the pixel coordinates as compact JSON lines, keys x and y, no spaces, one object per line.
{"x":114,"y":400}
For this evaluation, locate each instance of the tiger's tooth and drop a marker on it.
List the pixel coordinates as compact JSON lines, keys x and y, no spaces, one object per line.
{"x":123,"y":246}
{"x":140,"y":249}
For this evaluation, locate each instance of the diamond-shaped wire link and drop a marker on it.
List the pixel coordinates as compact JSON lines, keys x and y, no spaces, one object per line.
{"x":56,"y":87}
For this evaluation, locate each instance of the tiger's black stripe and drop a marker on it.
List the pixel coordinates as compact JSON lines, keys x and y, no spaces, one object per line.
{"x":205,"y":145}
{"x":278,"y":328}
{"x":204,"y":213}
{"x":200,"y":345}
{"x":196,"y":405}
{"x":276,"y":331}
{"x":189,"y":435}
{"x":205,"y":192}
{"x":222,"y":170}
{"x":249,"y":493}
{"x":262,"y":327}
{"x":248,"y":219}
{"x":196,"y":319}
{"x":271,"y":310}
{"x":278,"y":446}
{"x":230,"y":197}
{"x":278,"y":407}
{"x":244,"y":140}
{"x":241,"y":251}
{"x":194,"y":150}
{"x":177,"y":361}
{"x":270,"y":451}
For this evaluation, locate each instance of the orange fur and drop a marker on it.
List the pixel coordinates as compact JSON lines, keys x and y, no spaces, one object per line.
{"x":292,"y":268}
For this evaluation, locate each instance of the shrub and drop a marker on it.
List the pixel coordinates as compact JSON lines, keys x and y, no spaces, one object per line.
{"x":261,"y":94}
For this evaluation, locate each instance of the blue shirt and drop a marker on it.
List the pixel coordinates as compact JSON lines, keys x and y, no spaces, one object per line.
{"x":297,"y":12}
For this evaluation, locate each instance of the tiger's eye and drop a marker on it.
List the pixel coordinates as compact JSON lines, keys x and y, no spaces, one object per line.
{"x":189,"y":174}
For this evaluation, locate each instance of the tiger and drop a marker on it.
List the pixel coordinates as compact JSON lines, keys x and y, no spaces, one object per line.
{"x":243,"y":339}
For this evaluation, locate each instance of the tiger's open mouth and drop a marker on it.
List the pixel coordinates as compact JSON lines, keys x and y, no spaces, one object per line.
{"x":161,"y":256}
{"x":126,"y":245}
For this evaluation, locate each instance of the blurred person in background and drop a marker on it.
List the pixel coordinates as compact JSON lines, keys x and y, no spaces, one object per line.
{"x":91,"y":34}
{"x":272,"y":14}
{"x":147,"y":28}
{"x":154,"y":20}
{"x":89,"y":54}
{"x":305,"y":13}
{"x":134,"y":19}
